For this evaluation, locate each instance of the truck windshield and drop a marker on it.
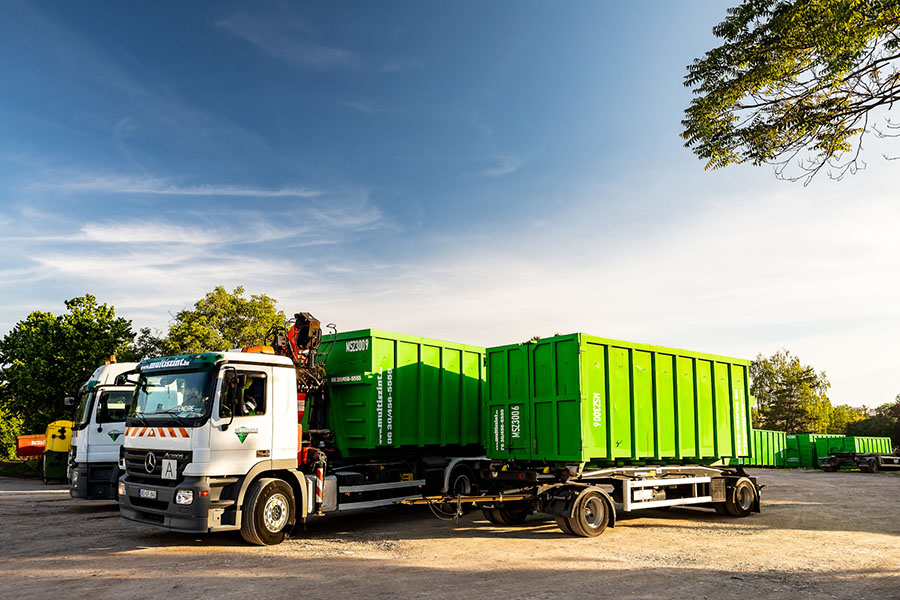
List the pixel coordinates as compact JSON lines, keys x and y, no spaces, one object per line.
{"x":182,"y":397}
{"x":83,"y":414}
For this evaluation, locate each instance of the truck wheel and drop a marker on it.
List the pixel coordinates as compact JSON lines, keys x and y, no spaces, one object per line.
{"x":591,"y":515}
{"x":511,"y":513}
{"x":720,"y":508}
{"x":740,"y":501}
{"x":268,"y":509}
{"x":876,"y":465}
{"x":462,"y":483}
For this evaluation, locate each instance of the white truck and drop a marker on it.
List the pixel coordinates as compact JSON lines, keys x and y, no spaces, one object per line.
{"x":240,"y":440}
{"x":99,"y":432}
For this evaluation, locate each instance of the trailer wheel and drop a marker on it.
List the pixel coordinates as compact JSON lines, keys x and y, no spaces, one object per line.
{"x":876,"y":464}
{"x":268,"y":509}
{"x":510,"y":513}
{"x":563,"y":524}
{"x":720,"y":508}
{"x":489,"y":515}
{"x":740,"y":501}
{"x":591,"y":515}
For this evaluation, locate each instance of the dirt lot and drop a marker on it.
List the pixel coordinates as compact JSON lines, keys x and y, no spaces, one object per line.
{"x":820,"y":535}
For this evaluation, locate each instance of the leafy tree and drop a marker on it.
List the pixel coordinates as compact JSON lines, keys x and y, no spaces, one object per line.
{"x":10,"y":429}
{"x":790,"y":396}
{"x":795,"y":79}
{"x":149,"y":343}
{"x":842,"y":416}
{"x":885,"y":422}
{"x":222,"y":320}
{"x":46,"y":357}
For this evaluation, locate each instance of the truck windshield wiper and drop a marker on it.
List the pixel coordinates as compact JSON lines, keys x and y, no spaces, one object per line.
{"x":172,"y":412}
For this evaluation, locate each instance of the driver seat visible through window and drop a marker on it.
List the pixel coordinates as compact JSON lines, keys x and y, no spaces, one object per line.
{"x":251,"y":399}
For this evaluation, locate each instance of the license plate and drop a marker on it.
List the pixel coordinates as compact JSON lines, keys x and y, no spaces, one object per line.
{"x":151,"y":494}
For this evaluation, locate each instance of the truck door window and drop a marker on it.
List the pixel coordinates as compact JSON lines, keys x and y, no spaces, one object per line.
{"x":249,"y":396}
{"x":114,"y":407}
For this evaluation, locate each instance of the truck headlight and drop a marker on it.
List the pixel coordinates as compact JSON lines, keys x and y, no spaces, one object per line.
{"x":184,"y":497}
{"x":121,"y":488}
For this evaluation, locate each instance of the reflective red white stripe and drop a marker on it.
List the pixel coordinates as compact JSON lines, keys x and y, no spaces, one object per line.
{"x":171,"y":432}
{"x":320,"y":482}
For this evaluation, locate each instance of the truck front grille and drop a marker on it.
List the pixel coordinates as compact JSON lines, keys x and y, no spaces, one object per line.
{"x":138,"y":465}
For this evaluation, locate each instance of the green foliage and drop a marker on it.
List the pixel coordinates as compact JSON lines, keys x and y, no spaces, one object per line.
{"x":790,"y":396}
{"x":10,"y":429}
{"x":885,"y":422}
{"x":46,"y":357}
{"x":219,"y":321}
{"x":794,"y":79}
{"x":842,"y":416}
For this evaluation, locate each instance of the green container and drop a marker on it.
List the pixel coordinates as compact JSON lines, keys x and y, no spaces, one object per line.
{"x":830,"y":445}
{"x":392,"y":394}
{"x":802,"y":450}
{"x":769,"y":449}
{"x":578,"y":398}
{"x":866,"y":444}
{"x":55,"y":465}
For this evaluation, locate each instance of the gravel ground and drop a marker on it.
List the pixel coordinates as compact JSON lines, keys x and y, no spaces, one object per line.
{"x":820,"y":535}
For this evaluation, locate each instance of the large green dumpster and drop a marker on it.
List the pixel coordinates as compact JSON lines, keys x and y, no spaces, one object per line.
{"x":579,"y":398}
{"x":390,"y":394}
{"x":769,"y":449}
{"x":801,"y":449}
{"x":866,"y":444}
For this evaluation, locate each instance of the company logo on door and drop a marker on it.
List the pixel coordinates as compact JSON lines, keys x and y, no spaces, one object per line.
{"x":243,"y":432}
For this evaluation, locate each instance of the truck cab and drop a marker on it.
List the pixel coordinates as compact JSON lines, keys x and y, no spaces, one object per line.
{"x":98,"y":432}
{"x":205,"y":432}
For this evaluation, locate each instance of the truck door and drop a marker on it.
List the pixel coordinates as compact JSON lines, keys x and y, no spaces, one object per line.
{"x":105,"y":431}
{"x":245,"y":407}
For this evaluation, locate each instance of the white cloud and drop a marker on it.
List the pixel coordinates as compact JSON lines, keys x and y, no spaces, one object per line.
{"x":288,"y":40}
{"x":156,"y":186}
{"x":508,"y":164}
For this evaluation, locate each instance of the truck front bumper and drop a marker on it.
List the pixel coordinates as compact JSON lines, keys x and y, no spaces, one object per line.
{"x":94,"y":481}
{"x":155,"y":505}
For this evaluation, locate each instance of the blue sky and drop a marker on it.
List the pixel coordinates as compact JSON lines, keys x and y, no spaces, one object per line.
{"x":481,"y":172}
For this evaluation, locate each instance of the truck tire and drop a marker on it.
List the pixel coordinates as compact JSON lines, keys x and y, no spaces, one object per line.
{"x":591,"y":515}
{"x":268,"y":509}
{"x":510,"y":513}
{"x":462,"y":483}
{"x":741,"y":498}
{"x":489,"y":515}
{"x":720,"y":508}
{"x":563,"y":524}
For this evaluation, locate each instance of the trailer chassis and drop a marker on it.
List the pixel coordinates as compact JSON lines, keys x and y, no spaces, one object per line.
{"x":584,"y":502}
{"x":867,"y":462}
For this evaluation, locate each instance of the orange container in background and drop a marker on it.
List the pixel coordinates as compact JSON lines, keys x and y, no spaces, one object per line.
{"x":30,"y":446}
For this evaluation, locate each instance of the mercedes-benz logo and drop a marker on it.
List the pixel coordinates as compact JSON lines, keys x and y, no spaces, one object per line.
{"x":150,"y":462}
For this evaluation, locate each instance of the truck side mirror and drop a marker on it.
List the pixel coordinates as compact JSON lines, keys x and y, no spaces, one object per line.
{"x":69,"y":401}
